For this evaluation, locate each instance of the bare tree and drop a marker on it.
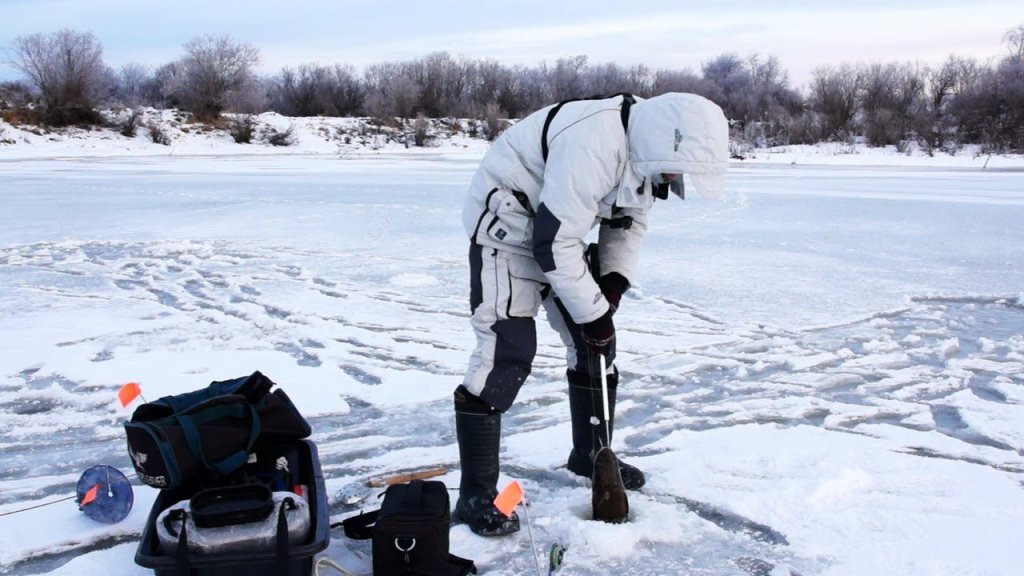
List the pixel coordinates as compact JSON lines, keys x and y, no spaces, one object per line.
{"x":607,"y":79}
{"x":566,"y":78}
{"x":1014,"y":39}
{"x":877,"y":103}
{"x":15,"y":95}
{"x":427,"y":74}
{"x":941,"y":84}
{"x":405,"y":96}
{"x":990,"y":110}
{"x":940,"y":87}
{"x":641,"y":80}
{"x":489,"y":82}
{"x":733,"y":82}
{"x":442,"y":84}
{"x":215,"y":73}
{"x":346,"y":94}
{"x":68,"y":70}
{"x":532,"y":89}
{"x":486,"y":79}
{"x":492,"y":117}
{"x":312,"y":90}
{"x":686,"y":80}
{"x":377,"y":81}
{"x":891,"y":102}
{"x":771,"y":105}
{"x":390,"y":91}
{"x":132,"y":84}
{"x":301,"y":92}
{"x":169,"y":79}
{"x":833,"y":98}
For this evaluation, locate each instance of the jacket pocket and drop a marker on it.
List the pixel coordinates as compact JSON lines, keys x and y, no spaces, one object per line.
{"x":511,"y":218}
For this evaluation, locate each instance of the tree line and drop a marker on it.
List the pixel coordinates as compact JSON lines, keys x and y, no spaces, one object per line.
{"x":939,"y":107}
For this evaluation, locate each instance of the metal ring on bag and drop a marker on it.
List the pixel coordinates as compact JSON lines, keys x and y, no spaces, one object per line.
{"x":406,"y":550}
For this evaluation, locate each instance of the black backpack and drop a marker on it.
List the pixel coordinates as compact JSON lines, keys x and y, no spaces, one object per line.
{"x":410,"y":532}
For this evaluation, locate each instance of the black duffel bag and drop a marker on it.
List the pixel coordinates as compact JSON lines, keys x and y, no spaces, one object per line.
{"x":410,"y":532}
{"x":204,"y":435}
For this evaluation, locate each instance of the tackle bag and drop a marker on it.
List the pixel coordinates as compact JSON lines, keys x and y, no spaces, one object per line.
{"x":200,"y":436}
{"x":410,"y":532}
{"x":234,"y":519}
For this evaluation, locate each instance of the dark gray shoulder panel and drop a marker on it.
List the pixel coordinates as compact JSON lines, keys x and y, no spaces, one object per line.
{"x":545,"y":228}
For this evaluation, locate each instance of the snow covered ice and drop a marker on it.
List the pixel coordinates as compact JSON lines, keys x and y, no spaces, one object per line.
{"x":822,"y":375}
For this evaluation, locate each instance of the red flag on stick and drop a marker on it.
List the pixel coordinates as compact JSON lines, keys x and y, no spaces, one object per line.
{"x":90,"y":495}
{"x":509,"y":498}
{"x":128,"y":393}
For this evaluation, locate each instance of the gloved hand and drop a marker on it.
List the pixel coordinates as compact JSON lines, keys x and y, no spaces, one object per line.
{"x":613,"y":286}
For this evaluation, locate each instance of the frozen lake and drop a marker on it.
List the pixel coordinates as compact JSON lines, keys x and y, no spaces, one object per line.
{"x":803,"y":246}
{"x":832,"y":360}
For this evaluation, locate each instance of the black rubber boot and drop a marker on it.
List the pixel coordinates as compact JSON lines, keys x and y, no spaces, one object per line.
{"x":586,"y":407}
{"x":478,"y":428}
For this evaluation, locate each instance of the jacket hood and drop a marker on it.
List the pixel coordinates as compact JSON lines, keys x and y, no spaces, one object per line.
{"x":677,"y":133}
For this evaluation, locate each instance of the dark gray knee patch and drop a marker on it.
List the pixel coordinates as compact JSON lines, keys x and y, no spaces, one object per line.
{"x":514,"y":350}
{"x":467,"y":402}
{"x":582,"y":379}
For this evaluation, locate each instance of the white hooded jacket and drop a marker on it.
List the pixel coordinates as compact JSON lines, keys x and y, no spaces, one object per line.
{"x":596,"y":173}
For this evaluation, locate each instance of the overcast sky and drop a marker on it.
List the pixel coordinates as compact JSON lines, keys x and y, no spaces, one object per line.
{"x":660,"y":34}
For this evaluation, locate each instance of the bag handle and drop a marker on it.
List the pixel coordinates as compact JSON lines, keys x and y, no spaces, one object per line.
{"x":254,"y":387}
{"x":413,"y":497}
{"x":190,"y":423}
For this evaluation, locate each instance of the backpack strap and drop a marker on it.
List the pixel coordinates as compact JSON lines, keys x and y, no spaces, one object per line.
{"x":547,"y":124}
{"x":464,"y":565}
{"x":627,"y":101}
{"x":452,"y":566}
{"x":360,"y":527}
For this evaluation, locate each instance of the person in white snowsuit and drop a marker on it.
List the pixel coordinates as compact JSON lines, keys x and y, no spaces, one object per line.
{"x":543,"y":185}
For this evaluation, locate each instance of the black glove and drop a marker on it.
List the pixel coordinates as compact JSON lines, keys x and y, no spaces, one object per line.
{"x":613,"y":286}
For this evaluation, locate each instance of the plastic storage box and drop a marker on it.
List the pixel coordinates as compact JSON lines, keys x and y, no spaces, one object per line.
{"x":300,"y":557}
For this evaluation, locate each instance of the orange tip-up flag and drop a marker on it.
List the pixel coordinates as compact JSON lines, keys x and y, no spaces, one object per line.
{"x":90,"y":495}
{"x":128,"y":392}
{"x":509,"y":498}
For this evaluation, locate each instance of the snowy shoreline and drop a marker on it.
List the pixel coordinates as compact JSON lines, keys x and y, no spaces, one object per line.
{"x":358,"y":137}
